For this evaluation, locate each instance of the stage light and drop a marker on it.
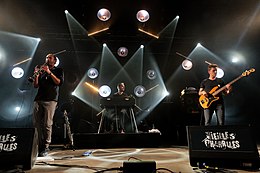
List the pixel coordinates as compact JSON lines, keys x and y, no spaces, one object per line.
{"x":66,"y":11}
{"x":104,"y":91}
{"x":92,"y":73}
{"x":139,"y":91}
{"x":17,"y":72}
{"x":142,"y":15}
{"x":57,"y":62}
{"x":237,"y":58}
{"x":1,"y":55}
{"x":148,"y":33}
{"x":103,"y":14}
{"x":22,"y":61}
{"x":220,"y":73}
{"x":104,"y":44}
{"x":142,"y":46}
{"x":96,"y":32}
{"x":150,"y":89}
{"x":166,"y":93}
{"x":186,"y":64}
{"x":17,"y":108}
{"x":92,"y":87}
{"x":234,"y":60}
{"x":122,"y":51}
{"x":151,"y":74}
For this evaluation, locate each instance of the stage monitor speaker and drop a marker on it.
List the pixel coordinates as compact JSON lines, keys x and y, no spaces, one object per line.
{"x":222,"y":147}
{"x":18,"y":148}
{"x":139,"y":167}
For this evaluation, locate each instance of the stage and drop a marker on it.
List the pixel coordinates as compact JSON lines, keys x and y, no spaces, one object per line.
{"x":167,"y":159}
{"x":127,"y":153}
{"x":117,"y":140}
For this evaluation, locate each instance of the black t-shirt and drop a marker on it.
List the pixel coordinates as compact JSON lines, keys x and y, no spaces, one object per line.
{"x":48,"y":90}
{"x":120,"y":95}
{"x":208,"y":85}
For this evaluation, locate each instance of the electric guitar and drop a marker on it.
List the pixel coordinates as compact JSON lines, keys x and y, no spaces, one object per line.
{"x":205,"y":101}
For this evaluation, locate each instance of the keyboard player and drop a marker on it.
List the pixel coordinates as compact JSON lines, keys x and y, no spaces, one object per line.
{"x":117,"y":115}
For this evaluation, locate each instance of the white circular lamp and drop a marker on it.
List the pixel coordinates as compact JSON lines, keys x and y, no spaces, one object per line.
{"x":142,"y":15}
{"x":103,"y":14}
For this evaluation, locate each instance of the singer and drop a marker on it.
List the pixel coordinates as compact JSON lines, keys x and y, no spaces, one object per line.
{"x":47,"y":79}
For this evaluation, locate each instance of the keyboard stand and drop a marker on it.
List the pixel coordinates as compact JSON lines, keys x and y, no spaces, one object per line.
{"x":132,"y":120}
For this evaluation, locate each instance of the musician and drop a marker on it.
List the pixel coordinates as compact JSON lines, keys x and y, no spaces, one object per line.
{"x":217,"y":106}
{"x":117,"y":118}
{"x":121,"y":112}
{"x":48,"y":81}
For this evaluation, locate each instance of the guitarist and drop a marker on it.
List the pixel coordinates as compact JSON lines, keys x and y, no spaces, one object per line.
{"x":207,"y":87}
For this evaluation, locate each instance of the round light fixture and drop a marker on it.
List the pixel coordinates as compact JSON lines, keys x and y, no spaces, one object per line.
{"x":151,"y":74}
{"x":220,"y":72}
{"x":139,"y":91}
{"x":142,"y":15}
{"x":186,"y":64}
{"x":103,"y":14}
{"x":104,"y":91}
{"x":17,"y":72}
{"x":122,"y":51}
{"x":92,"y":73}
{"x":57,"y":62}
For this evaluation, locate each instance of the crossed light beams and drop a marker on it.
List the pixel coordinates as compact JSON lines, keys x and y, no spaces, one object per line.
{"x":16,"y":105}
{"x":110,"y":68}
{"x":131,"y":73}
{"x":112,"y":73}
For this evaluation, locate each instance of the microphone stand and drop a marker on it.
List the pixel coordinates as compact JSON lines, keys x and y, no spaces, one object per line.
{"x":138,"y":107}
{"x":67,"y":127}
{"x":101,"y":119}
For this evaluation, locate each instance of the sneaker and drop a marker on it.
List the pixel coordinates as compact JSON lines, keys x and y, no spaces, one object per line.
{"x":44,"y":153}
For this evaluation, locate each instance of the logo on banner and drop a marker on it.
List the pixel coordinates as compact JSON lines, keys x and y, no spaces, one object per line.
{"x":8,"y":142}
{"x":221,"y":140}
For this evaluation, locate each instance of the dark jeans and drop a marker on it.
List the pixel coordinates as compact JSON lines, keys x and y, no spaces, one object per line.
{"x":220,"y":113}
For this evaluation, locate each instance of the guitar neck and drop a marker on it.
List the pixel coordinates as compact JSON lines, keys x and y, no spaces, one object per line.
{"x":224,"y":87}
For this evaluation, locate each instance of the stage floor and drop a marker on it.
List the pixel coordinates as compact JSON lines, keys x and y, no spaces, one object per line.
{"x":171,"y":159}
